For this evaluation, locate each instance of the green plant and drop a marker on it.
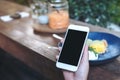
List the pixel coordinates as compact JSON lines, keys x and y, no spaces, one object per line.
{"x":115,"y":12}
{"x":97,"y":12}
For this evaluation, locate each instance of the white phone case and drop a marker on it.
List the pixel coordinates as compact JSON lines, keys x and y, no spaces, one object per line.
{"x":68,"y":66}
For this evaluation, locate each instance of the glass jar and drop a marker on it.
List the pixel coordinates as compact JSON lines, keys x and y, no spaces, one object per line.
{"x":58,"y":14}
{"x":39,"y":10}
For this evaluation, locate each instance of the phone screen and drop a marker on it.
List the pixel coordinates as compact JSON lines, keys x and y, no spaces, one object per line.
{"x":72,"y":48}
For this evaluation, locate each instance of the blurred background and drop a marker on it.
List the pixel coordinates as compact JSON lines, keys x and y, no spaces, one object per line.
{"x":104,"y":13}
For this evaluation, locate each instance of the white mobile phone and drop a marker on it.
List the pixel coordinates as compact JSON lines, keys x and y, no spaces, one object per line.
{"x":72,"y":48}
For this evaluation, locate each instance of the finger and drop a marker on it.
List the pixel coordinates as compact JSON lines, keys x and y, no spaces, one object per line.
{"x":57,"y":56}
{"x":60,"y":48}
{"x":62,"y":40}
{"x":86,"y":55}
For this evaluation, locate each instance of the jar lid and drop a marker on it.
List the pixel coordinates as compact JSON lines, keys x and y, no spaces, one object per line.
{"x":58,"y":3}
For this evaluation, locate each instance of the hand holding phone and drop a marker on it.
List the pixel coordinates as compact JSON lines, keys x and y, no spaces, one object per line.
{"x":72,"y":48}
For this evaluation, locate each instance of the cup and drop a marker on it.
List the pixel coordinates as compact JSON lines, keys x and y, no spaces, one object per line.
{"x":39,"y":11}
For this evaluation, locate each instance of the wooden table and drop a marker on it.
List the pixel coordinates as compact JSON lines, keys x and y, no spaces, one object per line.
{"x":19,"y":39}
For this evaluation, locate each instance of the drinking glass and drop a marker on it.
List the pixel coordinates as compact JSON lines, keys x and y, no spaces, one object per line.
{"x":39,"y":10}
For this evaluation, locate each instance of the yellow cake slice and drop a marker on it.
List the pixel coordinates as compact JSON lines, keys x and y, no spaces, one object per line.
{"x":97,"y":46}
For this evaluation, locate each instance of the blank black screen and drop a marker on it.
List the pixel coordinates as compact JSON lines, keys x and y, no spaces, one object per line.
{"x":72,"y":48}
